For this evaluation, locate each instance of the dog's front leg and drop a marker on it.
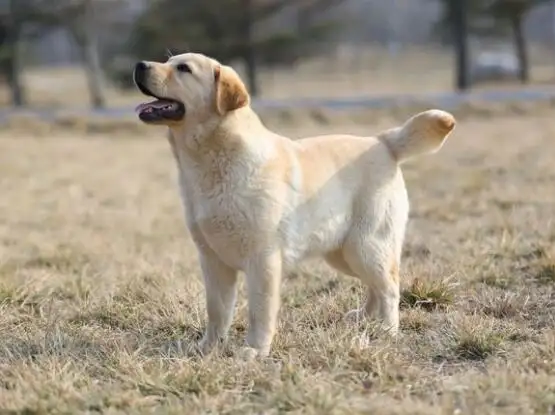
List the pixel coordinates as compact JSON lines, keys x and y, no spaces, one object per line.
{"x":263,"y":285}
{"x":220,"y":284}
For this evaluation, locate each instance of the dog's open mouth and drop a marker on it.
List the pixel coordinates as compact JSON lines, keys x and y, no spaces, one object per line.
{"x":161,"y":109}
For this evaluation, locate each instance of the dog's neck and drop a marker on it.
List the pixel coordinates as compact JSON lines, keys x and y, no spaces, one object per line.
{"x":234,"y":131}
{"x":220,"y":150}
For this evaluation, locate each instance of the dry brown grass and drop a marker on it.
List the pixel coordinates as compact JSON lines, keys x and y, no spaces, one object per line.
{"x":100,"y":290}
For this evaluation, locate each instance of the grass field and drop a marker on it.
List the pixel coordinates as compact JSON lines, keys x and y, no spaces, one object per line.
{"x":100,"y":291}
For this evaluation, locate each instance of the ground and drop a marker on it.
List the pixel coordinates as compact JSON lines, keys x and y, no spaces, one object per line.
{"x":100,"y":292}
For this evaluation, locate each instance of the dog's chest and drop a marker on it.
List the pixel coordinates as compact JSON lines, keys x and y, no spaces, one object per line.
{"x":231,"y":228}
{"x":227,"y":214}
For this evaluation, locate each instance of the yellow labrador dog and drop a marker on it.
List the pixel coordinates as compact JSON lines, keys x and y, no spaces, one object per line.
{"x":258,"y":202}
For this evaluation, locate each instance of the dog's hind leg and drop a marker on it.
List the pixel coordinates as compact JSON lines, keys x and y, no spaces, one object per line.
{"x":373,"y":253}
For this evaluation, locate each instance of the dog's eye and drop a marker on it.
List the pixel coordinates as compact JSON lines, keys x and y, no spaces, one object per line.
{"x":183,"y":67}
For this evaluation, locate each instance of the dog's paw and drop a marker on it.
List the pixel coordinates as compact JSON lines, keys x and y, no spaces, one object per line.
{"x":354,"y":316}
{"x":249,"y":354}
{"x":391,"y":331}
{"x":205,"y":346}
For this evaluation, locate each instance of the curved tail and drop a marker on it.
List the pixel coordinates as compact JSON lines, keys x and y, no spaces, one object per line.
{"x":423,"y":133}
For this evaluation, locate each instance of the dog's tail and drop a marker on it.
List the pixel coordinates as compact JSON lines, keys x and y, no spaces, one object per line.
{"x":422,"y":134}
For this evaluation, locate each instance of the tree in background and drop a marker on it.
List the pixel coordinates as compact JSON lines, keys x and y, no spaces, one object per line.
{"x":22,"y":20}
{"x":228,"y":30}
{"x":511,"y":13}
{"x":16,"y":24}
{"x":459,"y":16}
{"x":493,"y":18}
{"x":79,"y":18}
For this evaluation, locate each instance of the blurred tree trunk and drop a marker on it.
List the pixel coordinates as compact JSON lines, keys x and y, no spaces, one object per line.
{"x":11,"y":68}
{"x":513,"y":13}
{"x":521,"y":49}
{"x":460,"y":36}
{"x":11,"y":51}
{"x":250,"y":49}
{"x":14,"y":69}
{"x":91,"y":62}
{"x":82,"y":28}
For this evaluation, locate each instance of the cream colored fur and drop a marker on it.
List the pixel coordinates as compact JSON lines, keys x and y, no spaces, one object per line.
{"x":260,"y":203}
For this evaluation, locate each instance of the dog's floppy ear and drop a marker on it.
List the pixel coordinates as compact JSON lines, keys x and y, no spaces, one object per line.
{"x":231,"y":92}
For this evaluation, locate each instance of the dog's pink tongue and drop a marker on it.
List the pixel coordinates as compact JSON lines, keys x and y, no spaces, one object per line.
{"x":151,"y":106}
{"x":141,"y":107}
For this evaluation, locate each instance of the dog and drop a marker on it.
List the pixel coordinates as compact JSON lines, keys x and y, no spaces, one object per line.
{"x":259,"y":203}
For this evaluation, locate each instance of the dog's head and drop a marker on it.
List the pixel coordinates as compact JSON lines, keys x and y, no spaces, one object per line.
{"x":188,"y":86}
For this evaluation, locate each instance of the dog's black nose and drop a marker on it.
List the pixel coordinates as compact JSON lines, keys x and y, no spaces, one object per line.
{"x":139,"y":72}
{"x":141,"y":66}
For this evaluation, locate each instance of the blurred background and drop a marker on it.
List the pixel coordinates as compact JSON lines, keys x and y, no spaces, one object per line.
{"x":80,"y":53}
